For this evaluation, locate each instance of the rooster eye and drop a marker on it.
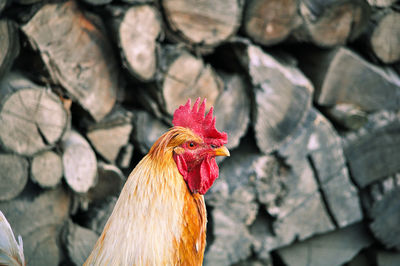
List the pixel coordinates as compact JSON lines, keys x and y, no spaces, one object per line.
{"x":214,"y":146}
{"x":191,"y":145}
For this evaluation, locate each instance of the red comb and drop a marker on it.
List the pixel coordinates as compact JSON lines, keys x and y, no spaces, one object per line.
{"x":200,"y":124}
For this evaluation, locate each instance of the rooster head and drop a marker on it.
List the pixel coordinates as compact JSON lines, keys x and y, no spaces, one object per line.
{"x":195,"y":156}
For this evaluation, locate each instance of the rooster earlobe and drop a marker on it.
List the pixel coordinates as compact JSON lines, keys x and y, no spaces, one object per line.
{"x":181,"y":165}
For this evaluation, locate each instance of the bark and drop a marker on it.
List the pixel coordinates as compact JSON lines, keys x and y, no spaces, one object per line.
{"x":9,"y":44}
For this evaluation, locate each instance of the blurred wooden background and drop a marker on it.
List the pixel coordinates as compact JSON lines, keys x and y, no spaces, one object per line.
{"x":307,"y":90}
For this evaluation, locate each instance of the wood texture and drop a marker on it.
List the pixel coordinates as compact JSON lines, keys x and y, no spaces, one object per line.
{"x":13,"y":175}
{"x":9,"y":44}
{"x":270,"y":22}
{"x":137,"y":34}
{"x":282,"y":97}
{"x":147,"y":130}
{"x":347,"y":115}
{"x":385,"y":36}
{"x":233,"y":108}
{"x":79,"y":242}
{"x":109,"y":183}
{"x":373,"y":151}
{"x":204,"y":22}
{"x":331,"y":23}
{"x":79,"y":162}
{"x":111,"y":134}
{"x":47,"y":212}
{"x":32,"y":118}
{"x":186,"y":76}
{"x":342,"y":244}
{"x":81,"y":60}
{"x":342,"y":76}
{"x":386,"y":216}
{"x":47,"y":169}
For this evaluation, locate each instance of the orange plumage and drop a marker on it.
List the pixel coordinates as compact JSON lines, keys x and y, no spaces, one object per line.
{"x":160,"y":217}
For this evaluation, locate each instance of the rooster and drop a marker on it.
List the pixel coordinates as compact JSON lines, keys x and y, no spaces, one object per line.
{"x":160,"y":216}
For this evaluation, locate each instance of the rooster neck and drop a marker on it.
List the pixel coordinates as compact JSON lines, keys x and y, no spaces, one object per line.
{"x":152,"y":220}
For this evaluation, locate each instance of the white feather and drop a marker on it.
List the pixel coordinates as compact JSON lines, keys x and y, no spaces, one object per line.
{"x":11,"y":252}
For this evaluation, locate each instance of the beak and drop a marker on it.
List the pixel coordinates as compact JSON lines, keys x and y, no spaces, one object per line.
{"x":222,"y":151}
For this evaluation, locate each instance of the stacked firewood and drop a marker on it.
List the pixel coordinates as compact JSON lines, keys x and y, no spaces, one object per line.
{"x":308,"y":91}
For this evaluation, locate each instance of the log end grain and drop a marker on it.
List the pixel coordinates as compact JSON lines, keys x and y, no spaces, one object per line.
{"x":137,"y":36}
{"x":203,"y":23}
{"x":13,"y":175}
{"x":47,"y":169}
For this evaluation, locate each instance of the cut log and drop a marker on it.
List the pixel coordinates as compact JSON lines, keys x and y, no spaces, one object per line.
{"x":384,"y":36}
{"x":234,"y":207}
{"x":386,"y":218}
{"x":4,"y":4}
{"x":125,"y":156}
{"x":110,"y":134}
{"x":387,"y":258}
{"x":282,"y":97}
{"x":299,"y":209}
{"x":77,"y":55}
{"x":205,"y":23}
{"x":341,"y":76}
{"x":13,"y":175}
{"x":381,"y":3}
{"x":232,"y":108}
{"x":318,"y":146}
{"x":79,"y":162}
{"x":335,"y":248}
{"x":96,"y":3}
{"x":373,"y":151}
{"x":47,"y":169}
{"x":32,"y":118}
{"x":333,"y":22}
{"x":326,"y":157}
{"x":78,"y":242}
{"x":186,"y":76}
{"x":347,"y":116}
{"x":137,"y":32}
{"x":38,"y":219}
{"x":147,"y":129}
{"x":26,"y":2}
{"x":109,"y":183}
{"x":9,"y":44}
{"x":270,"y":22}
{"x":98,"y":214}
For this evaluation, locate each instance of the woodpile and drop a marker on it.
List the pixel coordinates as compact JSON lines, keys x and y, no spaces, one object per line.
{"x":307,"y":90}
